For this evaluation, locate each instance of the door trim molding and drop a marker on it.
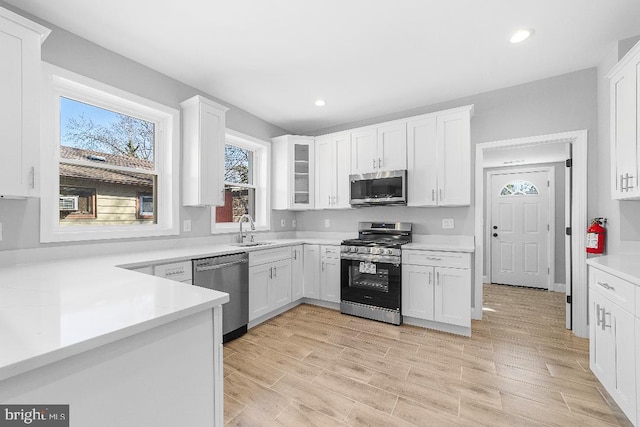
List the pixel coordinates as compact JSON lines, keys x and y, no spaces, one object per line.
{"x":578,"y":140}
{"x":550,"y":171}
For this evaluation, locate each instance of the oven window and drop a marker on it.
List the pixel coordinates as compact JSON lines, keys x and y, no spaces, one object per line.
{"x":366,"y":275}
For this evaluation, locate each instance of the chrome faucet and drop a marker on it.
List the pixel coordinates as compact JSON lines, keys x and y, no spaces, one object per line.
{"x":243,"y":235}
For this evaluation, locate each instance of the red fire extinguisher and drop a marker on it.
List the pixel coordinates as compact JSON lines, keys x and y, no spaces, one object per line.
{"x":595,"y":236}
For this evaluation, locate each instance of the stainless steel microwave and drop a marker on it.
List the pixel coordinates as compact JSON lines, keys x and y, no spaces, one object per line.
{"x":379,"y":188}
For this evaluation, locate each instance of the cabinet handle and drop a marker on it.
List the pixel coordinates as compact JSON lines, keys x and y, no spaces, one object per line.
{"x":606,"y":286}
{"x":433,"y":195}
{"x":329,"y":197}
{"x":430,"y":277}
{"x":333,"y":199}
{"x":379,"y":162}
{"x":32,"y":177}
{"x":275,"y":271}
{"x":621,"y":182}
{"x":433,"y":258}
{"x":628,"y":187}
{"x":271,"y":273}
{"x":598,"y":320}
{"x":295,"y":254}
{"x":374,"y":163}
{"x":604,"y":319}
{"x":438,"y":278}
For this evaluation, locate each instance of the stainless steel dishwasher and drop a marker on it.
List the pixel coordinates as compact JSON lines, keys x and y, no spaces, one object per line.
{"x":230,"y":274}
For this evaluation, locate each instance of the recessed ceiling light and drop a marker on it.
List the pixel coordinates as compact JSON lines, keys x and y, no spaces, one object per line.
{"x":320,"y":103}
{"x":520,"y":36}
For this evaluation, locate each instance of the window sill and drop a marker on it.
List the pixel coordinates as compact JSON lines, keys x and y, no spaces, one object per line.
{"x":80,"y":233}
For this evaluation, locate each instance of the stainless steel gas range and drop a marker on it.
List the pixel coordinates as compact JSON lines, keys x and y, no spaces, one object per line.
{"x":370,"y":283}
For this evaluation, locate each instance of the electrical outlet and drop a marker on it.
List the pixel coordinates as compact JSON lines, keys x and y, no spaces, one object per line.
{"x":186,"y":225}
{"x":282,"y":223}
{"x":293,"y":223}
{"x":447,"y":223}
{"x":327,"y":223}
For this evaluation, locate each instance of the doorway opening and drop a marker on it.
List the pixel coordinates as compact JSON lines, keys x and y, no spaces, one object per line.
{"x":576,"y":286}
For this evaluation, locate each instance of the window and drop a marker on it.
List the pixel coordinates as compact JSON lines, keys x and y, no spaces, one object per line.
{"x":239,"y":188}
{"x":519,"y":188}
{"x":145,"y":209}
{"x":246,"y":183}
{"x":111,"y":156}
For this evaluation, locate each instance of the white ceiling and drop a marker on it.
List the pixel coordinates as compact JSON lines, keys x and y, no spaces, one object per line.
{"x":366,"y":58}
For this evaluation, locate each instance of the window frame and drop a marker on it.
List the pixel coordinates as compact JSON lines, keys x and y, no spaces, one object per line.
{"x":261,"y":182}
{"x":58,"y":82}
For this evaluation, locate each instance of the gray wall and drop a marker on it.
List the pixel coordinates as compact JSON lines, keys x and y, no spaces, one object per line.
{"x":20,"y":218}
{"x":558,"y":104}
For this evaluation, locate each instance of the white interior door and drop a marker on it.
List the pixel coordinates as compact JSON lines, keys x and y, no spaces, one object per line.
{"x":520,"y":229}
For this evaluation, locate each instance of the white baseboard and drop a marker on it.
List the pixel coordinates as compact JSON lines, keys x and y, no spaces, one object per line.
{"x":485,"y":279}
{"x":558,"y":287}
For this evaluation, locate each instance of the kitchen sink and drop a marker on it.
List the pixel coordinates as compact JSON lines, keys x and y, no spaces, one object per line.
{"x":253,"y":244}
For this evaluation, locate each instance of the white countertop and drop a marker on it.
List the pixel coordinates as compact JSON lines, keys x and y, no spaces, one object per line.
{"x":53,"y":310}
{"x":625,"y":266}
{"x":444,"y":243}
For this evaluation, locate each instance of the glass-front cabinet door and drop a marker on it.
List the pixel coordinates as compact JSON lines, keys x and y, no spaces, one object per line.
{"x":301,"y":178}
{"x":293,"y":185}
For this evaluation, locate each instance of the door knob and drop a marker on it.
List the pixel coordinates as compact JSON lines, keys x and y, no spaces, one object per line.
{"x":495,"y":234}
{"x":495,"y":227}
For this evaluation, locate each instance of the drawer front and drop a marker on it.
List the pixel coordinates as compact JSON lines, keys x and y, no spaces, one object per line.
{"x":330,"y":251}
{"x":615,"y":289}
{"x":269,"y":255}
{"x":436,"y":258}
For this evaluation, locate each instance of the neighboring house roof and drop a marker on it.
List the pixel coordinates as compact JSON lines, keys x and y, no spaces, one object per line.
{"x":101,"y":174}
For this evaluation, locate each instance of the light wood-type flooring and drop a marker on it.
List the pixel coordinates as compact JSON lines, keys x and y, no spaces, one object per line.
{"x":313,"y":366}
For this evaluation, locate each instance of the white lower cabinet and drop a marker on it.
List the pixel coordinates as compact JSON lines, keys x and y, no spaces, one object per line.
{"x":269,"y":281}
{"x":612,"y":336}
{"x":311,"y":271}
{"x":297,"y":272}
{"x":330,"y":273}
{"x":436,"y":286}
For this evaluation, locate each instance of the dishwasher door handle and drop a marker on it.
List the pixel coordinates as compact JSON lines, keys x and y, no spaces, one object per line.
{"x":218,"y":266}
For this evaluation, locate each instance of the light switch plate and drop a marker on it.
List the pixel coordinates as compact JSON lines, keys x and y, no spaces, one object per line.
{"x":282,"y":223}
{"x":327,"y":223}
{"x":186,"y":225}
{"x":447,"y":223}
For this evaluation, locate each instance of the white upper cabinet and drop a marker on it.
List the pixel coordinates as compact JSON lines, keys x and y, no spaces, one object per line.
{"x":379,"y":149}
{"x":333,"y":165}
{"x":625,"y":126}
{"x":439,"y":158}
{"x":293,"y":172}
{"x":203,"y":141}
{"x":20,"y":75}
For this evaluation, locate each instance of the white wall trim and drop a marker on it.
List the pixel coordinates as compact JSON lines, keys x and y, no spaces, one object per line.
{"x":578,"y":289}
